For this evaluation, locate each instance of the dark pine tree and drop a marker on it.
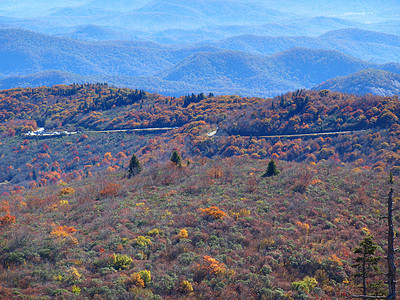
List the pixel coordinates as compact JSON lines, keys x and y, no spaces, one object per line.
{"x":134,"y":167}
{"x":367,"y":265}
{"x":176,"y":158}
{"x":272,"y":169}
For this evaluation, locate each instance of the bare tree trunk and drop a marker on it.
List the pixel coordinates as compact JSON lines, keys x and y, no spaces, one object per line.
{"x":364,"y":276}
{"x":390,"y":254}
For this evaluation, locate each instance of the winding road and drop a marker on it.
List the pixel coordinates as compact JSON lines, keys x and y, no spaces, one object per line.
{"x":212,"y":134}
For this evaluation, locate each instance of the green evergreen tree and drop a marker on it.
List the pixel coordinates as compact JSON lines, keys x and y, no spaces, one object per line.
{"x":176,"y":158}
{"x":272,"y":169}
{"x":367,"y":264}
{"x":391,"y":180}
{"x":134,"y":167}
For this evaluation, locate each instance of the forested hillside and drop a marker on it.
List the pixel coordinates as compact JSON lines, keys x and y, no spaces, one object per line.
{"x":362,"y":130}
{"x":211,"y":229}
{"x":238,"y":198}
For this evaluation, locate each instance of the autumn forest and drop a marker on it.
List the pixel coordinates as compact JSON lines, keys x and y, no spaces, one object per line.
{"x":228,"y":198}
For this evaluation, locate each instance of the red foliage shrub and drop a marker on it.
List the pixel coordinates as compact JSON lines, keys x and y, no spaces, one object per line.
{"x":7,"y":220}
{"x":110,"y":190}
{"x":5,"y":207}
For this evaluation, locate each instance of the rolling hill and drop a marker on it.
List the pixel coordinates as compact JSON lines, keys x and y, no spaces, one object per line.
{"x":308,"y":66}
{"x":25,"y":52}
{"x":94,"y":33}
{"x":46,"y":78}
{"x":159,"y":15}
{"x":305,"y":26}
{"x":260,"y":75}
{"x":53,"y":77}
{"x":356,"y":10}
{"x":364,"y":44}
{"x":376,"y":82}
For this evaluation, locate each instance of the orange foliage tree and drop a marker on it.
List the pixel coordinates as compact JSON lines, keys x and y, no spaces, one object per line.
{"x":214,"y":212}
{"x":210,"y":266}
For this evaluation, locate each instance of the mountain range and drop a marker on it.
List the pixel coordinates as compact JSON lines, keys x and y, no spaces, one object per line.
{"x":222,"y":11}
{"x":244,"y":65}
{"x":252,"y":48}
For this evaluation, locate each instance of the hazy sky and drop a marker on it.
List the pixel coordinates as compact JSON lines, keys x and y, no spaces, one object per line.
{"x":34,"y":8}
{"x":360,"y":10}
